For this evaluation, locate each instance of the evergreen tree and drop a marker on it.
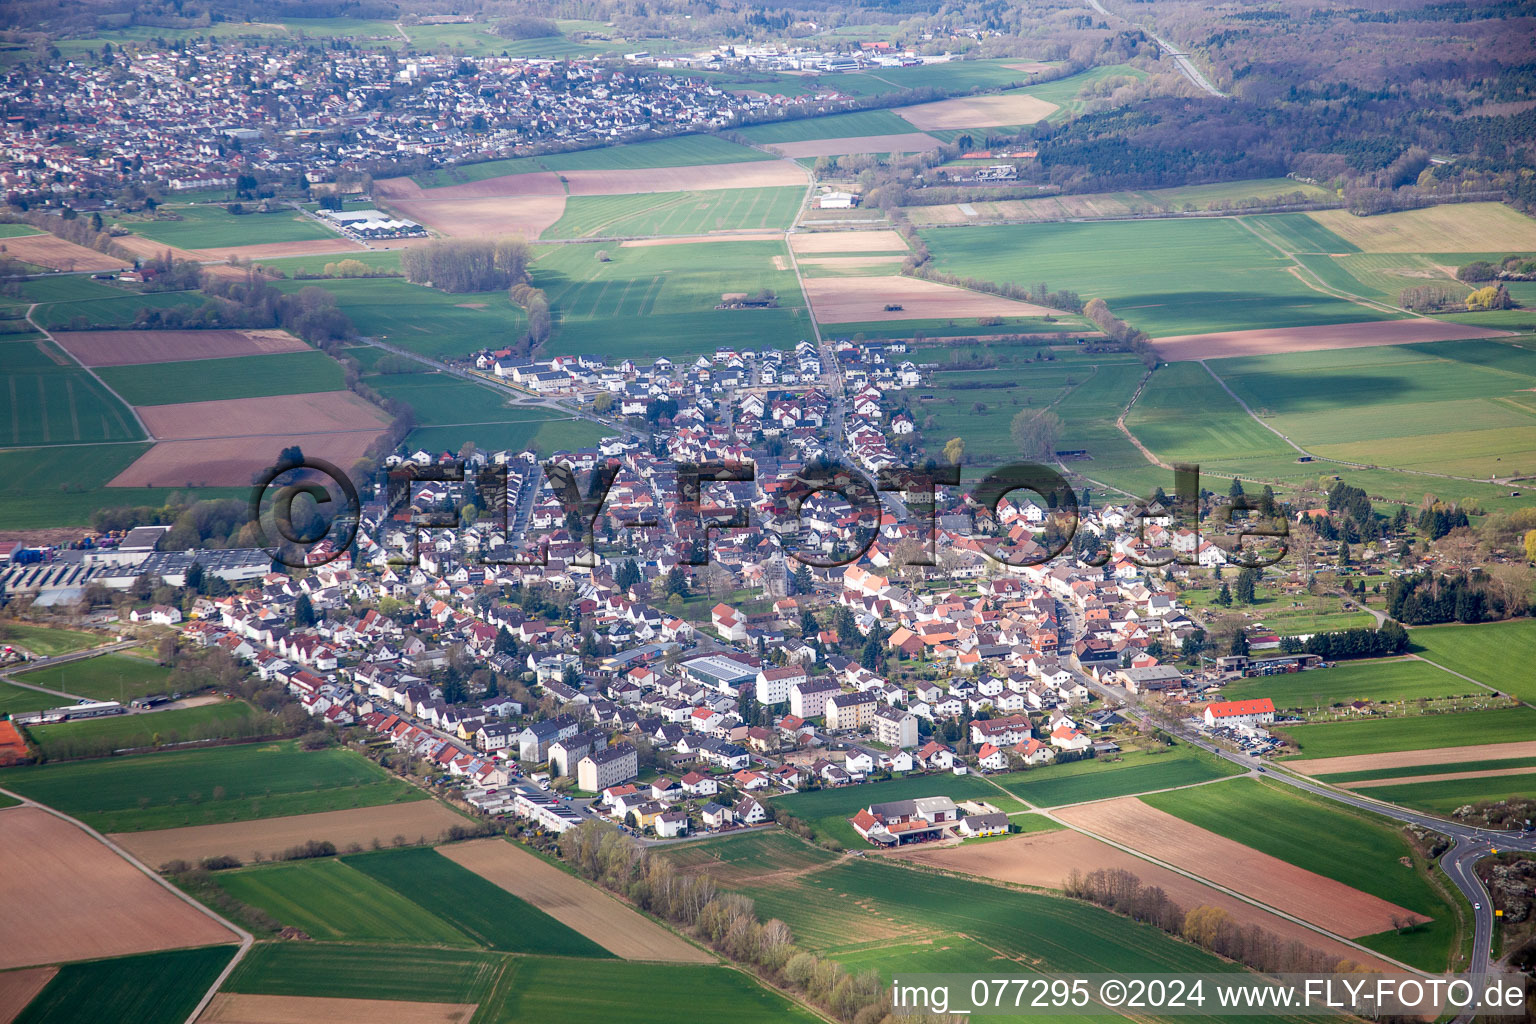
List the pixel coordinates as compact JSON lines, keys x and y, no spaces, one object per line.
{"x":1236,"y":490}
{"x":677,"y":582}
{"x":1224,"y":596}
{"x":808,"y":626}
{"x":303,"y":612}
{"x":871,"y":658}
{"x":1343,"y":551}
{"x":802,"y":579}
{"x":1239,"y":643}
{"x":1245,"y":586}
{"x":194,"y":581}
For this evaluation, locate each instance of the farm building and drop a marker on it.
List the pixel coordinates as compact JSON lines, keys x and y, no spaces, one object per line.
{"x":838,"y":201}
{"x":905,"y":821}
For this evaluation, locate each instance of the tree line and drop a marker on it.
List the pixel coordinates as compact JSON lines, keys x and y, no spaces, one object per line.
{"x":467,"y":264}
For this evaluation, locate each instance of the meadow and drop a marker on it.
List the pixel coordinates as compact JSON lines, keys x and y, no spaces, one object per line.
{"x":38,"y":489}
{"x":119,"y":309}
{"x":678,"y":213}
{"x":201,"y":787}
{"x":954,"y":76}
{"x":738,"y":859}
{"x":1419,"y":732}
{"x":1165,"y":277}
{"x":366,"y":972}
{"x":831,"y":126}
{"x":1101,"y":779}
{"x":210,"y":227}
{"x":97,"y":736}
{"x":481,"y":909}
{"x":1440,"y":406}
{"x":1391,"y":680}
{"x":331,"y":901}
{"x":45,"y":398}
{"x":153,"y":988}
{"x":1488,"y":652}
{"x":1184,"y":416}
{"x":827,"y":811}
{"x":16,"y":699}
{"x":1360,"y":850}
{"x":660,"y":300}
{"x":535,"y":989}
{"x":46,"y":641}
{"x":423,"y":320}
{"x":1098,"y":205}
{"x":115,"y":676}
{"x":207,"y":380}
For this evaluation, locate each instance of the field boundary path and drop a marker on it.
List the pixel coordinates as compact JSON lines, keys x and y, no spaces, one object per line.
{"x":246,"y":938}
{"x":54,"y":342}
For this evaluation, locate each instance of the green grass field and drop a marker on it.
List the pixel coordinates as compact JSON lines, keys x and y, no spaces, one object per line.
{"x":1184,"y":416}
{"x":1422,"y":732}
{"x":1443,"y":796}
{"x":1489,"y":652}
{"x":99,"y":736}
{"x":77,"y":485}
{"x":424,"y":321}
{"x":120,"y":309}
{"x":116,"y":676}
{"x":481,"y":909}
{"x":680,"y":151}
{"x":1097,"y":779}
{"x":207,"y":380}
{"x":827,"y":811}
{"x":1446,"y":407}
{"x":168,"y":790}
{"x":16,"y":699}
{"x":1351,"y":847}
{"x":677,"y":213}
{"x":538,"y":989}
{"x":46,"y":641}
{"x":738,"y":859}
{"x":333,"y":902}
{"x":210,"y":227}
{"x":665,"y":297}
{"x":450,"y":411}
{"x":1415,"y":770}
{"x":153,"y":988}
{"x":1395,"y":679}
{"x":45,"y":398}
{"x":832,"y":126}
{"x":366,"y":972}
{"x":1165,"y":277}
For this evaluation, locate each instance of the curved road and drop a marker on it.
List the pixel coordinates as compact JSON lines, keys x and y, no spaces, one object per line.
{"x":1185,"y":65}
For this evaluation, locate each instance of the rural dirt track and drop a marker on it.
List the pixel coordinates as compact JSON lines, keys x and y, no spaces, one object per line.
{"x":127,"y":348}
{"x":235,"y":1008}
{"x":17,"y":989}
{"x":1045,"y":859}
{"x":977,"y":111}
{"x":1410,"y":758}
{"x":267,"y":836}
{"x":57,"y":254}
{"x":839,"y":300}
{"x":1296,"y":891}
{"x":1281,"y":340}
{"x":64,"y":896}
{"x":910,"y":142}
{"x":1404,"y":780}
{"x":881,"y":240}
{"x":615,"y":926}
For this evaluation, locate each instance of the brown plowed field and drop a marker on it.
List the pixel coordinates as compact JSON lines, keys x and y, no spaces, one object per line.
{"x":1270,"y":880}
{"x":883,"y":240}
{"x":1404,"y":780}
{"x":1045,"y":859}
{"x":756,"y":174}
{"x":538,"y":183}
{"x":841,"y":300}
{"x":526,"y":216}
{"x":615,"y":926}
{"x":909,"y":142}
{"x":977,"y":111}
{"x":235,"y":461}
{"x":127,"y":348}
{"x":149,"y":249}
{"x":1313,"y":339}
{"x":244,"y":839}
{"x":722,"y":236}
{"x":57,"y":254}
{"x":275,"y":416}
{"x":65,"y":896}
{"x":1411,"y":758}
{"x":272,"y":250}
{"x":18,"y":988}
{"x":236,"y":1008}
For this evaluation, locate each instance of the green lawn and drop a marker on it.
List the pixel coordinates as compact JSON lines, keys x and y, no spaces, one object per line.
{"x":98,"y":737}
{"x":1422,"y":732}
{"x":483,"y":910}
{"x":78,"y":485}
{"x":16,"y":699}
{"x":450,"y":411}
{"x":1184,"y":416}
{"x":665,"y":298}
{"x":1499,"y":654}
{"x":209,"y":227}
{"x":535,"y":990}
{"x":827,"y":811}
{"x":1348,"y":846}
{"x":333,"y":902}
{"x":153,"y":988}
{"x":1100,"y":779}
{"x":1165,"y":277}
{"x":207,"y":380}
{"x":424,"y":321}
{"x":678,"y":213}
{"x":1389,"y":680}
{"x":120,"y":309}
{"x":366,"y":972}
{"x":46,"y":641}
{"x":115,"y":676}
{"x":168,"y":790}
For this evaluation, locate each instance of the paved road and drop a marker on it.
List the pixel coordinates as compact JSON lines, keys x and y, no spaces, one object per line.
{"x":1191,"y":72}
